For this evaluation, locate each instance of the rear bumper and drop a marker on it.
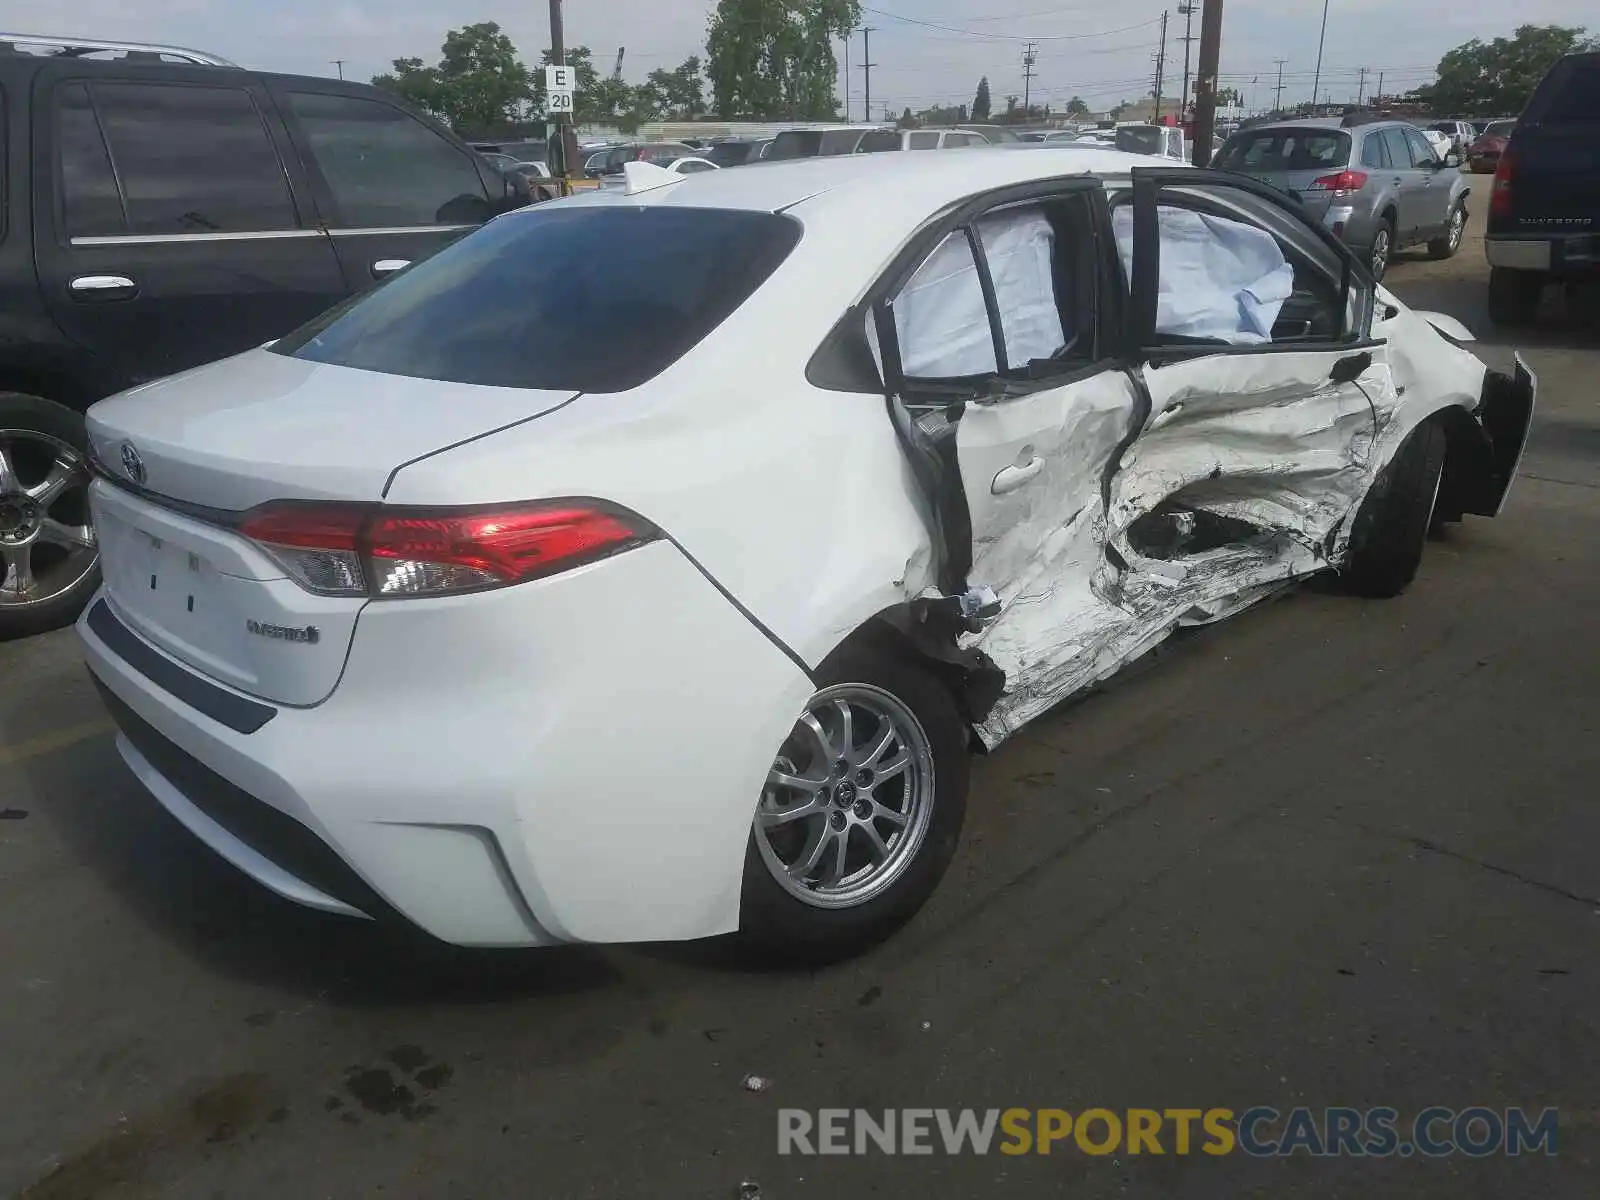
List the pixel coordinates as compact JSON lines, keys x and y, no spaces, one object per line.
{"x":1573,"y":257}
{"x":575,"y":759}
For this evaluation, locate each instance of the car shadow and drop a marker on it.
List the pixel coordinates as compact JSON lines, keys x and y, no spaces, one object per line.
{"x":1568,"y":318}
{"x":229,"y":924}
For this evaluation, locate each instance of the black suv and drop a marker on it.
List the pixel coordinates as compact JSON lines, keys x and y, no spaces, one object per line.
{"x":1544,"y":208}
{"x":163,"y":208}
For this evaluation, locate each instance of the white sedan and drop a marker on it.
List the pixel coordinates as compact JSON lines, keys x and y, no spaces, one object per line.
{"x":646,"y":564}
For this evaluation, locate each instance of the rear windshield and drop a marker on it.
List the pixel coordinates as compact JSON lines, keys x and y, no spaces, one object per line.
{"x":594,"y":299}
{"x":1498,"y":129}
{"x":1569,"y":94}
{"x":1285,"y":150}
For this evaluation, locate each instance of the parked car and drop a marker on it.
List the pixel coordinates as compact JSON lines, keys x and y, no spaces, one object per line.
{"x":662,"y":154}
{"x":1544,"y":208}
{"x":524,"y":497}
{"x":1458,"y":136}
{"x":1375,"y":184}
{"x":1483,"y":155}
{"x":1440,"y":142}
{"x":240,"y":205}
{"x":820,"y":143}
{"x":736,"y":152}
{"x":879,"y":140}
{"x":995,"y":135}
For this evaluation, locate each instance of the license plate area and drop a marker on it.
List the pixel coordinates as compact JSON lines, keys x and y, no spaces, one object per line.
{"x":163,"y":585}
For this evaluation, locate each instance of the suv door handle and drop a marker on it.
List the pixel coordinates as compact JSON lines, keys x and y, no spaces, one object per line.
{"x":1009,"y":479}
{"x":103,"y":287}
{"x":388,"y":266}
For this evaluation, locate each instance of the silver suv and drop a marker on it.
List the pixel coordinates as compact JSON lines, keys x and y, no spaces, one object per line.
{"x":1376,"y":184}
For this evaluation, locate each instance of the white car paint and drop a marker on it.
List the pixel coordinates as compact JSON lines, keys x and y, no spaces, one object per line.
{"x":578,"y":758}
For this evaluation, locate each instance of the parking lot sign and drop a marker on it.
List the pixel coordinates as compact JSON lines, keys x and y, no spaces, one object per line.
{"x":559,"y":82}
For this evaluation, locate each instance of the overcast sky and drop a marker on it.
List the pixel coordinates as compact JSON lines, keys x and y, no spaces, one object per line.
{"x":1102,"y":51}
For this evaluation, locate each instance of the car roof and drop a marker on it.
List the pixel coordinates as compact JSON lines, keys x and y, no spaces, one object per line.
{"x":895,"y":188}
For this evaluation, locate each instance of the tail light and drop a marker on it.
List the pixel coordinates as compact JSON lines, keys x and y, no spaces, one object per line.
{"x":1344,"y":181}
{"x":1500,"y":193}
{"x":393,"y":553}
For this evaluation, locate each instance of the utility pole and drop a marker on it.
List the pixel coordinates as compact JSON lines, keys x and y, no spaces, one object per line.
{"x":1379,"y":92}
{"x":847,"y":38}
{"x":1161,"y":64}
{"x":1277,"y":93}
{"x":1187,"y":9}
{"x":1205,"y":80}
{"x":339,"y":62}
{"x":866,"y":65}
{"x":1316,"y":79}
{"x":1030,"y":55}
{"x":1361,"y":88}
{"x":566,"y":139}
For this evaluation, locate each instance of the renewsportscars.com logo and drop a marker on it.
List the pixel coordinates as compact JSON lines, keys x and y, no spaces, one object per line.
{"x":1259,"y":1132}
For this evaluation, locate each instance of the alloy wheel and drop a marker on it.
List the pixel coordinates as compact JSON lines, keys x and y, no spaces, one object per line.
{"x":848,"y":799}
{"x":1458,"y":225}
{"x":47,"y":545}
{"x":1380,"y":253}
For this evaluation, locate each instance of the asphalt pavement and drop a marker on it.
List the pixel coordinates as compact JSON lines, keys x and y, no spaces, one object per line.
{"x":1334,"y":852}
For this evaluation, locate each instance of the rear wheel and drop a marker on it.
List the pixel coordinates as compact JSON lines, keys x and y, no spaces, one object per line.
{"x":861,"y":812}
{"x":1382,"y":248}
{"x":1449,"y":242}
{"x":1391,"y":527}
{"x":49,"y":560}
{"x":1514,"y":295}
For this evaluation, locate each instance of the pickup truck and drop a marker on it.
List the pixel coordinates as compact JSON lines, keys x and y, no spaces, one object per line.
{"x":1544,"y":208}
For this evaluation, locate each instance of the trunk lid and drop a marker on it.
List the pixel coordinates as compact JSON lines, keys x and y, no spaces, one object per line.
{"x":225,"y":438}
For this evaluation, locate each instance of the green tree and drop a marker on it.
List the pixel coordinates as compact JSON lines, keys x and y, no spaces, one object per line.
{"x":774,"y":58}
{"x":980,"y":102}
{"x":907,"y":121}
{"x":478,"y":81}
{"x":1077,"y":107}
{"x":679,"y":94}
{"x":1488,"y":79}
{"x":1013,"y":112}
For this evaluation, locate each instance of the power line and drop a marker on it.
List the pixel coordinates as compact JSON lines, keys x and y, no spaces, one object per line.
{"x":1007,"y":37}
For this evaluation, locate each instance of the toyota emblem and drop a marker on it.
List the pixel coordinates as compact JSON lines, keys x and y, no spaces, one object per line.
{"x":132,"y":464}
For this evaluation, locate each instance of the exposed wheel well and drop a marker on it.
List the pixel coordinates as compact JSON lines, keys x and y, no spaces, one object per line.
{"x":1467,"y":461}
{"x":917,"y":633}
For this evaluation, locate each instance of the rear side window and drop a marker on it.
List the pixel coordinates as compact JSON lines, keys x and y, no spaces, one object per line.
{"x":1374,"y":152}
{"x":384,"y":168}
{"x":594,"y":298}
{"x":1399,"y":151}
{"x":881,"y":139}
{"x":1569,"y":94}
{"x":924,"y":141}
{"x":840,"y":141}
{"x":190,"y":159}
{"x":90,"y":203}
{"x":1285,"y":150}
{"x":729,"y":154}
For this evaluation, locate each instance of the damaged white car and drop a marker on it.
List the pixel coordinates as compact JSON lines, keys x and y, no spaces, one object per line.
{"x":646,"y":565}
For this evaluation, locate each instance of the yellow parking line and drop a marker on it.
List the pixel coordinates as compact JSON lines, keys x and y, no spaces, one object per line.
{"x":48,"y":743}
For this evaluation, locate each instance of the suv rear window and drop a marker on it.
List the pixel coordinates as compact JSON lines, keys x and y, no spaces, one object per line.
{"x":1285,"y":150}
{"x":880,"y":139}
{"x":591,"y":298}
{"x":1569,"y":94}
{"x":729,"y":154}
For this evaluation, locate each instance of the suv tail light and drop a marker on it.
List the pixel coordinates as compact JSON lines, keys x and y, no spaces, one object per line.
{"x":1344,"y":181}
{"x":1500,"y":192}
{"x":393,"y":553}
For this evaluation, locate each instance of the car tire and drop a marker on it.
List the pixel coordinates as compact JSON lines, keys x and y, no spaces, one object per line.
{"x":42,"y":441}
{"x":1391,"y":527}
{"x":1514,"y":296}
{"x":1455,"y":225}
{"x":797,"y":920}
{"x":1382,"y":249}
